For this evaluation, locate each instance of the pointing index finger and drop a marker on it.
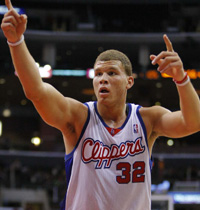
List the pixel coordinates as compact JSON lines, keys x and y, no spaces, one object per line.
{"x":8,"y":4}
{"x":168,"y":43}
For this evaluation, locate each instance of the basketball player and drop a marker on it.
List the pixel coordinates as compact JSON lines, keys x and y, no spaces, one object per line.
{"x":108,"y":143}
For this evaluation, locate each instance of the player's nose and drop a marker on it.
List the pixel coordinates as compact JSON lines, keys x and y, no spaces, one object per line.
{"x":104,"y":78}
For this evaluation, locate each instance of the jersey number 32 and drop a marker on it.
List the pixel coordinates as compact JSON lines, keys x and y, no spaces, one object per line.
{"x":128,"y":174}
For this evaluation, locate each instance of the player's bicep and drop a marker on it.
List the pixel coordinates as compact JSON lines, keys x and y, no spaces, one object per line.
{"x":169,"y":123}
{"x":55,"y":109}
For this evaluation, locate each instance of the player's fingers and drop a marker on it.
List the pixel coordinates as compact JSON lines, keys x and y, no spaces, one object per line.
{"x":8,"y":4}
{"x":166,"y":62}
{"x":168,"y":43}
{"x":11,"y":20}
{"x":13,"y":13}
{"x":155,"y":60}
{"x":23,"y":18}
{"x":162,"y":55}
{"x":8,"y":28}
{"x":169,"y":67}
{"x":152,"y":57}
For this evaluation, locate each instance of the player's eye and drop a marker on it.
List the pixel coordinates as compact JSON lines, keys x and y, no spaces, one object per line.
{"x":111,"y":73}
{"x":98,"y":74}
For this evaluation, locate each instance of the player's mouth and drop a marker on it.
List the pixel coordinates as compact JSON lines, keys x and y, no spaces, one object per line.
{"x":103,"y":91}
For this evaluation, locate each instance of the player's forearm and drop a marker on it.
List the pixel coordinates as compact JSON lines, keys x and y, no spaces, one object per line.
{"x":27,"y":70}
{"x":190,"y":106}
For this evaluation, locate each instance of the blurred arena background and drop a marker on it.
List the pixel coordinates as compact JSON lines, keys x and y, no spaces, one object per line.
{"x":65,"y":37}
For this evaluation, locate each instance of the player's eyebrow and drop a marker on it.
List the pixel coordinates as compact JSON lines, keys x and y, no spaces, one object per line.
{"x":108,"y":68}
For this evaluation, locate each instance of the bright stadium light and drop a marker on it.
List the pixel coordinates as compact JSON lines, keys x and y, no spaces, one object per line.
{"x":36,"y":141}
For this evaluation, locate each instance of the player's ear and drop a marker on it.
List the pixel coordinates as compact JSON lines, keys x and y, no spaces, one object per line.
{"x":130,"y":82}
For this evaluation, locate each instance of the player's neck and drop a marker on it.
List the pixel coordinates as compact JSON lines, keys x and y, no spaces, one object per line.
{"x":114,"y":116}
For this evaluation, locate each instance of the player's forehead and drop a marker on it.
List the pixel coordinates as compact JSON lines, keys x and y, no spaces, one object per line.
{"x":111,"y":64}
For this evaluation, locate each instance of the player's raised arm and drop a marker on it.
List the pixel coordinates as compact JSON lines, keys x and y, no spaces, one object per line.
{"x":14,"y":26}
{"x":53,"y":107}
{"x":187,"y":120}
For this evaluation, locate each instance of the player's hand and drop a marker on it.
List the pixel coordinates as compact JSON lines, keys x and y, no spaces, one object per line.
{"x":169,"y":61}
{"x":13,"y":24}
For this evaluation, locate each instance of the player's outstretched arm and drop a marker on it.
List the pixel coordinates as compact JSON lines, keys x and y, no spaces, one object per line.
{"x":14,"y":26}
{"x":187,"y":120}
{"x":53,"y":107}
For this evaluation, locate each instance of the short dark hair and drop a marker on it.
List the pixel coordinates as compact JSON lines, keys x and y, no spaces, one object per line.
{"x":116,"y":55}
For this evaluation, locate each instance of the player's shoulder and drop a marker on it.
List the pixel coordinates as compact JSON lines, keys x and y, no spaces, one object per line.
{"x":76,"y":111}
{"x":153,"y":112}
{"x":152,"y":109}
{"x":151,"y":116}
{"x":76,"y":104}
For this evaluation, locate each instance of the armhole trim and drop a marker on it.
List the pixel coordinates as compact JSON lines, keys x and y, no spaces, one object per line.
{"x":145,"y":134}
{"x":68,"y":156}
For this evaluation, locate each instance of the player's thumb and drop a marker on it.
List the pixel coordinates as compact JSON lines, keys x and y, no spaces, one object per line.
{"x":23,"y":18}
{"x":152,"y":57}
{"x":154,"y":60}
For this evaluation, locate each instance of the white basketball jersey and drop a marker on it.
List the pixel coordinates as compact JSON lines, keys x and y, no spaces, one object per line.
{"x":109,"y":172}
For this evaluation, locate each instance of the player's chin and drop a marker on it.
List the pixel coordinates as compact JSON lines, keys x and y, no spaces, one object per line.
{"x":103,"y":100}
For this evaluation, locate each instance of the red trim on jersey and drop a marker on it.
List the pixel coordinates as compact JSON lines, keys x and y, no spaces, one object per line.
{"x":113,"y":131}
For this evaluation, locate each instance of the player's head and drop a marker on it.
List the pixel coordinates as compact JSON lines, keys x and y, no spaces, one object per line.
{"x":116,"y":55}
{"x":112,"y":77}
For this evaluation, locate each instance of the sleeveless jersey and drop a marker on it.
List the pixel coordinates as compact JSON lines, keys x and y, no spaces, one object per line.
{"x":106,"y":172}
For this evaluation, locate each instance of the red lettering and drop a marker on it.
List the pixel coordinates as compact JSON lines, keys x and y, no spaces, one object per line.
{"x":98,"y":152}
